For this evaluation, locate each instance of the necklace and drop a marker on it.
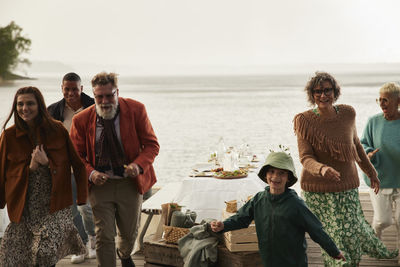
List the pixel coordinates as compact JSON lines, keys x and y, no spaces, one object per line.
{"x":315,"y":110}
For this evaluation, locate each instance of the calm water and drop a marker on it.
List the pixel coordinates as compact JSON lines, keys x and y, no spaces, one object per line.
{"x":190,"y":114}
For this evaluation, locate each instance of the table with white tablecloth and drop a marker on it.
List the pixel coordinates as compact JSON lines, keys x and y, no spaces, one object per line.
{"x":207,"y":195}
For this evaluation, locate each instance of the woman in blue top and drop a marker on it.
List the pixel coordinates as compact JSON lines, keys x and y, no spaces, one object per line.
{"x":381,"y":141}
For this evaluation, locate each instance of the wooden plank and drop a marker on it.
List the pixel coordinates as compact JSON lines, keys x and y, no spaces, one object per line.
{"x":157,"y":251}
{"x":238,"y":259}
{"x":234,"y":247}
{"x":241,"y":238}
{"x":245,"y":231}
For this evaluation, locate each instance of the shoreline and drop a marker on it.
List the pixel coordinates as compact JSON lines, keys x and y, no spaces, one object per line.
{"x":10,"y":77}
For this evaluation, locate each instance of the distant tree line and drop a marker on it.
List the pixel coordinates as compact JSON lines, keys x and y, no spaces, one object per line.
{"x":12,"y":45}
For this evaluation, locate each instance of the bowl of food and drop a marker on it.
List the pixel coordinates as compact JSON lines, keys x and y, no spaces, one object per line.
{"x":241,"y":173}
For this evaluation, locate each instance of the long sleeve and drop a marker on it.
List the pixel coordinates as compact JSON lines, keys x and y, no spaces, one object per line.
{"x":314,"y":228}
{"x":79,"y":172}
{"x":367,"y":139}
{"x":148,"y":140}
{"x":307,"y":157}
{"x":241,"y":219}
{"x":78,"y":138}
{"x":364,"y":163}
{"x":306,"y":151}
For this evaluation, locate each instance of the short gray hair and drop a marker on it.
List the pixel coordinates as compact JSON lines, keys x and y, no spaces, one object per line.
{"x":104,"y":78}
{"x":390,"y":88}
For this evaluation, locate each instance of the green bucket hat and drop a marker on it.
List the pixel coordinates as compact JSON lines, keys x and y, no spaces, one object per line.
{"x":279,"y":160}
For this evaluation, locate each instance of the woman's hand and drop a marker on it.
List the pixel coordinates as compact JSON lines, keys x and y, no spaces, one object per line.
{"x":372,"y":153}
{"x":340,"y":256}
{"x":39,"y":156}
{"x":330,"y":173}
{"x":375,"y":183}
{"x":217,"y":226}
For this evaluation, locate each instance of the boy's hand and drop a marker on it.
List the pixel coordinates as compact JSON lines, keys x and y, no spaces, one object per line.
{"x":340,"y":257}
{"x":217,"y":226}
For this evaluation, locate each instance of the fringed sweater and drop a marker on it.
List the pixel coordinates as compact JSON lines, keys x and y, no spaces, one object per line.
{"x":330,"y":142}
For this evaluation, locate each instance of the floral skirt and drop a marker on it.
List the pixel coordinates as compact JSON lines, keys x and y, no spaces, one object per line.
{"x":342,"y":217}
{"x":40,"y":238}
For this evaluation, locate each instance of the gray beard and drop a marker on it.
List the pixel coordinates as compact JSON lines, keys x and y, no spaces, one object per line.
{"x":109,"y":114}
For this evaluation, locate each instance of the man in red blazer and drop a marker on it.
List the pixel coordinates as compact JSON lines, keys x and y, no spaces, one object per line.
{"x":116,"y":141}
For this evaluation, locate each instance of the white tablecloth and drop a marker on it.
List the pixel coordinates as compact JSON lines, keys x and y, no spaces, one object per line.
{"x":166,"y":194}
{"x":207,"y":196}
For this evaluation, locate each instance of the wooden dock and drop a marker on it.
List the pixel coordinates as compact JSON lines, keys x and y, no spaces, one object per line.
{"x":314,"y":253}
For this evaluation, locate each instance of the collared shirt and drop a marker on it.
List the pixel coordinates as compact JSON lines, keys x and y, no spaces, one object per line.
{"x":68,"y":114}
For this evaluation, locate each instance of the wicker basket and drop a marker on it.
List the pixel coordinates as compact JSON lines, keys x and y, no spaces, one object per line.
{"x":231,"y":206}
{"x":172,"y":234}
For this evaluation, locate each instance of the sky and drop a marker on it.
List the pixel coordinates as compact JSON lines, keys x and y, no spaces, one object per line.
{"x":163,"y":34}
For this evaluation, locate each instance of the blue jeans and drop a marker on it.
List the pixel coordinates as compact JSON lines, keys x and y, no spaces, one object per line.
{"x":82,"y":216}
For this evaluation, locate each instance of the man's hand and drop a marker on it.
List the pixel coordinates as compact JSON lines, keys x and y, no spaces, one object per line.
{"x":217,"y":226}
{"x":132,"y":170}
{"x":330,"y":173}
{"x":372,"y":153}
{"x":99,"y":178}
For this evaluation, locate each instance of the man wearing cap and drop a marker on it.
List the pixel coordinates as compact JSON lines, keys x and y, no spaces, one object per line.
{"x":281,"y":217}
{"x":116,"y":141}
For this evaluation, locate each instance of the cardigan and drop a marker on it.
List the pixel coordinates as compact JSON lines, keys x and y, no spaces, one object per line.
{"x":330,"y":142}
{"x":281,"y":223}
{"x":385,"y":135}
{"x":15,"y":156}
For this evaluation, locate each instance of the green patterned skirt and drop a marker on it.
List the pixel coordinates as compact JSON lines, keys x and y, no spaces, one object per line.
{"x":342,"y":217}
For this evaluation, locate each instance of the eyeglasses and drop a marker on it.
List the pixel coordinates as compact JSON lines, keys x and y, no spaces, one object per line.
{"x":382,"y":101}
{"x":326,"y":91}
{"x":106,"y":96}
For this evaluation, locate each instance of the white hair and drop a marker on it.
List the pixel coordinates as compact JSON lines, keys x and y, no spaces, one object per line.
{"x":390,"y":88}
{"x":107,"y":115}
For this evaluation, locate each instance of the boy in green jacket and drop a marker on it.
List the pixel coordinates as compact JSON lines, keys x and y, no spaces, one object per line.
{"x":281,"y":218}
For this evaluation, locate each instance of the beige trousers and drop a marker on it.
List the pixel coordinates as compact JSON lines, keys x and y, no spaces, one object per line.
{"x":116,"y":208}
{"x":383,"y":204}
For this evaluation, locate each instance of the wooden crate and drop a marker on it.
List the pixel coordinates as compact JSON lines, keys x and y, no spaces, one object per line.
{"x":158,"y":253}
{"x":238,"y":259}
{"x":240,"y":240}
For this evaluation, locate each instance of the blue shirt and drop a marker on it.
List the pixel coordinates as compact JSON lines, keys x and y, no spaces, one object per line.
{"x":385,"y":135}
